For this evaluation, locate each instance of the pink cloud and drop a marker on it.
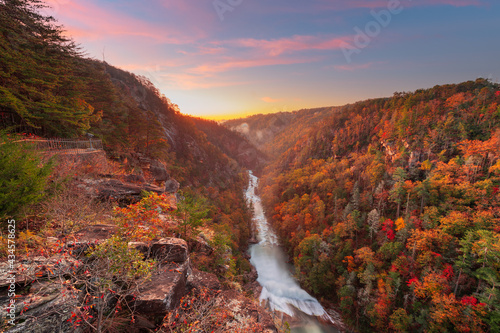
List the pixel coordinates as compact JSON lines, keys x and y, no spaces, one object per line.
{"x":221,"y":66}
{"x":276,"y":47}
{"x":84,"y":19}
{"x":204,"y":50}
{"x":185,"y":81}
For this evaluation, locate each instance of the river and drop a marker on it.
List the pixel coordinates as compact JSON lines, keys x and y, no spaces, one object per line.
{"x":280,"y":290}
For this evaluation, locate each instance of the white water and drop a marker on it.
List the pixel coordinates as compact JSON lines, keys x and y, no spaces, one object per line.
{"x":279,"y":289}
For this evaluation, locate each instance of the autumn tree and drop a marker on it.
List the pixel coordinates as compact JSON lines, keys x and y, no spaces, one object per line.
{"x":39,"y":91}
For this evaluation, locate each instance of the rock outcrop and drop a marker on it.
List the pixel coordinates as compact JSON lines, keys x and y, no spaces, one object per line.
{"x":47,"y":299}
{"x":44,"y":300}
{"x":117,"y":190}
{"x":46,"y":308}
{"x":168,"y":250}
{"x":89,"y":237}
{"x":121,"y":191}
{"x":243,"y":309}
{"x":171,"y":186}
{"x":158,"y":172}
{"x":163,"y":292}
{"x":198,"y":280}
{"x":200,"y":245}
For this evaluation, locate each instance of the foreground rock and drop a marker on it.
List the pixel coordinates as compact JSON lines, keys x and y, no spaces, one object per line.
{"x":47,"y":299}
{"x":170,"y":250}
{"x":163,"y":292}
{"x":28,"y":270}
{"x":171,"y":186}
{"x":47,"y":308}
{"x":89,"y":237}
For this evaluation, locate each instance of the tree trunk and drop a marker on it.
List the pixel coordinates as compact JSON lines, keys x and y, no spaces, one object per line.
{"x":456,"y":284}
{"x":399,"y":206}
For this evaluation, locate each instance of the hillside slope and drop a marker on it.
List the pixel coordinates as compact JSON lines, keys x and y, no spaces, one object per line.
{"x":233,"y":144}
{"x":48,"y":89}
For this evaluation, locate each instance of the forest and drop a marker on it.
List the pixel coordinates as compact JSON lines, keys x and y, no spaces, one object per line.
{"x":390,"y":209}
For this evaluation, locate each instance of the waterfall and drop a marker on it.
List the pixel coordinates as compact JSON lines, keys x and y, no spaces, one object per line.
{"x":279,"y":289}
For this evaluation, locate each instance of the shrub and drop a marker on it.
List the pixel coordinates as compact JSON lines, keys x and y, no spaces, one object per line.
{"x":23,"y":177}
{"x":143,"y":221}
{"x":111,"y":275}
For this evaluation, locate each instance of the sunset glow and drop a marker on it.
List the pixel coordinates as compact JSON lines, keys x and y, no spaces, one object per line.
{"x":220,"y":59}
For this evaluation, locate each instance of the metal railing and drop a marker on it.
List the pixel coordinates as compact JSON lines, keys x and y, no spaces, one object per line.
{"x":66,"y":145}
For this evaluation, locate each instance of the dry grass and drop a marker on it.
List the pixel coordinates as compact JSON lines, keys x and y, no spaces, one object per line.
{"x":71,"y":209}
{"x":88,"y":165}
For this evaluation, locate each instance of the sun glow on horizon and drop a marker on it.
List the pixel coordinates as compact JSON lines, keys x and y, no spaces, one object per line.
{"x":220,"y":68}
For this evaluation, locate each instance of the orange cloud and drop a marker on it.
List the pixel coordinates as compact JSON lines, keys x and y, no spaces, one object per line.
{"x":270,"y":100}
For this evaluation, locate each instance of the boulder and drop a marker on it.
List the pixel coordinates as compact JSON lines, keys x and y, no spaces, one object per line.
{"x":163,"y":291}
{"x":90,"y":236}
{"x":159,"y":173}
{"x":199,"y":280}
{"x":96,"y":232}
{"x":139,"y":246}
{"x":135,"y":179}
{"x":170,"y":250}
{"x":171,"y":186}
{"x":37,"y":268}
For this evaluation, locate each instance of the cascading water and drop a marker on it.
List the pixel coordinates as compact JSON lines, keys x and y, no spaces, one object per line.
{"x":279,"y":288}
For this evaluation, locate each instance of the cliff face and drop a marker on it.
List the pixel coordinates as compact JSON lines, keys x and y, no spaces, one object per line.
{"x":164,"y":133}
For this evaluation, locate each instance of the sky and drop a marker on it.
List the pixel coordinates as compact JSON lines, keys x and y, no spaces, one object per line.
{"x":222,"y":59}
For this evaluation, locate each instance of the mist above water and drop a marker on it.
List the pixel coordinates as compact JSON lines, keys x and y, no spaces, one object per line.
{"x":279,"y":289}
